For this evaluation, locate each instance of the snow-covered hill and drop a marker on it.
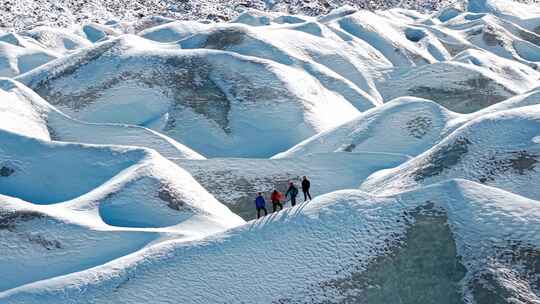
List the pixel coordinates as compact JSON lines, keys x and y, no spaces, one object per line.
{"x":405,"y":125}
{"x":208,"y":100}
{"x":462,"y":239}
{"x":500,"y":149}
{"x":132,"y":148}
{"x":24,"y":112}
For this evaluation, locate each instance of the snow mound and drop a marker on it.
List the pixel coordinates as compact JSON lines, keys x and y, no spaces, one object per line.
{"x":131,"y":187}
{"x":297,"y":46}
{"x":57,"y":40}
{"x":406,"y":126}
{"x":400,"y":42}
{"x":260,"y":18}
{"x":342,"y":243}
{"x":19,"y":55}
{"x":173,"y":31}
{"x":402,"y":126}
{"x":22,"y":111}
{"x":470,"y":82}
{"x":95,"y":32}
{"x":211,"y":101}
{"x":46,"y":237}
{"x":520,"y":13}
{"x":496,"y":149}
{"x":499,"y":36}
{"x":338,"y":65}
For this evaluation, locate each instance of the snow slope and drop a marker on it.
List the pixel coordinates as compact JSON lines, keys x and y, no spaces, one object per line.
{"x":419,"y":132}
{"x":24,"y":112}
{"x":217,"y":96}
{"x":406,"y":126}
{"x":357,"y":236}
{"x":118,"y":182}
{"x":499,"y":149}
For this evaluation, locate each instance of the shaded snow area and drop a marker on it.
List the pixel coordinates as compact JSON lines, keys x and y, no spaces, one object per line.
{"x":132,"y":148}
{"x":236,"y":181}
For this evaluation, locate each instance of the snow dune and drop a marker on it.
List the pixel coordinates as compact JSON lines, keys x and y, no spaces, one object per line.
{"x":211,"y":101}
{"x":24,"y":112}
{"x":131,"y":152}
{"x":330,"y":249}
{"x":499,"y":149}
{"x":406,"y":125}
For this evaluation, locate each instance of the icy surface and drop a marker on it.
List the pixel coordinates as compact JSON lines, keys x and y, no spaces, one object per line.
{"x":317,"y":244}
{"x":132,"y":147}
{"x":26,"y":113}
{"x":496,"y":149}
{"x":210,"y":101}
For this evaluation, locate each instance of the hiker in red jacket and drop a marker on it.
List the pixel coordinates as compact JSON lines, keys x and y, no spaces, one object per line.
{"x":276,"y":198}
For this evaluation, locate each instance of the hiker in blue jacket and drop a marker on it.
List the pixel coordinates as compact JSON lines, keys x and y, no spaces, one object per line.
{"x":293,"y":192}
{"x":260,"y":204}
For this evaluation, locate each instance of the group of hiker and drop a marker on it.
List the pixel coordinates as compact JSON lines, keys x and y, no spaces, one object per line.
{"x":277,"y":197}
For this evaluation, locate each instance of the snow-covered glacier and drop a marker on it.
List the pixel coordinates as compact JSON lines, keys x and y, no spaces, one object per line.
{"x":132,"y":148}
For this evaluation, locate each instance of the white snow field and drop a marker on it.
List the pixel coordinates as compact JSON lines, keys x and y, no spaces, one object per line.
{"x":132,"y":148}
{"x":209,"y":100}
{"x":463,"y":239}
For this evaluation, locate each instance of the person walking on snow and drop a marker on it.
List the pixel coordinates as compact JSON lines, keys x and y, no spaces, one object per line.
{"x":305,"y":188}
{"x":260,"y":204}
{"x":276,"y":198}
{"x":293,"y":192}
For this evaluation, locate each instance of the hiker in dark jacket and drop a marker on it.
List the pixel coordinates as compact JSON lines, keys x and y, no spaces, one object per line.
{"x":276,"y":198}
{"x":305,"y":188}
{"x":293,"y":192}
{"x":260,"y":204}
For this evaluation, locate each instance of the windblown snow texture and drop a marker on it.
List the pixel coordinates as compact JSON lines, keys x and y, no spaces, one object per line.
{"x":135,"y":136}
{"x":61,"y":13}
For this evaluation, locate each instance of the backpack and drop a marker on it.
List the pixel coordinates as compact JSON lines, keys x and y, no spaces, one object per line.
{"x":294,"y":191}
